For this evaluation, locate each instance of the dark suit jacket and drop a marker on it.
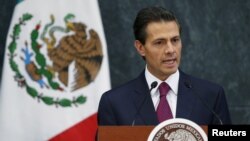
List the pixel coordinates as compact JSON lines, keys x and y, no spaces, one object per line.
{"x":131,"y":103}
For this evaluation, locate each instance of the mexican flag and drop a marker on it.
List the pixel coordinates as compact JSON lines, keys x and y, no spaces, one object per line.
{"x":55,"y":70}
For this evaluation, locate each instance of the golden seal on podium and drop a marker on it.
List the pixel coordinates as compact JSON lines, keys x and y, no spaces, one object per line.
{"x":177,"y":129}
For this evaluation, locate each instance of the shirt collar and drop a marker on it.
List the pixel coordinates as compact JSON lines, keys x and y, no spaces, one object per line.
{"x":172,"y":81}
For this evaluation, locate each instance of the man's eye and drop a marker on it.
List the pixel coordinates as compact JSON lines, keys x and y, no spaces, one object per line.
{"x":160,"y":42}
{"x":176,"y":40}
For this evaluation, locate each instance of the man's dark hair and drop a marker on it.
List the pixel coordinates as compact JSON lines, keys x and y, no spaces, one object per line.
{"x":148,"y":15}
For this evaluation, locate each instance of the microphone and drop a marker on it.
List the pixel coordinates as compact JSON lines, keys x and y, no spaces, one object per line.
{"x":188,"y":85}
{"x":152,"y":86}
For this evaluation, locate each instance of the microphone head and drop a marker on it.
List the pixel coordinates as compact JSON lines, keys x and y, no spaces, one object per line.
{"x":188,"y":84}
{"x":154,"y":84}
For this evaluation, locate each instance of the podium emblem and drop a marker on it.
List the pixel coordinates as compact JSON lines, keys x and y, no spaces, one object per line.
{"x":177,"y":129}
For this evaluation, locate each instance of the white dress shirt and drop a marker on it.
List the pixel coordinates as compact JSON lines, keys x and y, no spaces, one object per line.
{"x":172,"y":81}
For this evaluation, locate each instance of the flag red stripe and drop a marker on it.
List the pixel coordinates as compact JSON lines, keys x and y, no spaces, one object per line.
{"x":83,"y":131}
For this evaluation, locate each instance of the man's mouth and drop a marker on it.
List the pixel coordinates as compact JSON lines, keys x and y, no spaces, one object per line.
{"x":169,"y":62}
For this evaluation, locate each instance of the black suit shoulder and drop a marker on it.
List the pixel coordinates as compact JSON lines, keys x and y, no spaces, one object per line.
{"x":209,"y":95}
{"x":114,"y":104}
{"x":199,"y":84}
{"x":128,"y":88}
{"x":121,"y":90}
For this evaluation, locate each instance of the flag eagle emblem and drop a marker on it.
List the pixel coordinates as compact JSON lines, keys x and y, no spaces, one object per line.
{"x":63,"y":58}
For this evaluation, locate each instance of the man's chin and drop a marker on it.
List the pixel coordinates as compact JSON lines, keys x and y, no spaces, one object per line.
{"x":171,"y":71}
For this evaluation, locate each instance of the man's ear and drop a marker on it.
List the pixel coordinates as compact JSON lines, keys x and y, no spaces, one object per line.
{"x":140,"y":48}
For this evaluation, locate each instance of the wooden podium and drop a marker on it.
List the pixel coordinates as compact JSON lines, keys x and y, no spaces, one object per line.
{"x":127,"y":133}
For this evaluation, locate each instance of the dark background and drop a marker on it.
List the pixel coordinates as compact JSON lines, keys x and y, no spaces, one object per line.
{"x":216,"y":44}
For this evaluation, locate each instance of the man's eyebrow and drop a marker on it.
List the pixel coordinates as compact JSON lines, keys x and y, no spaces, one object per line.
{"x":177,"y":36}
{"x":159,"y":39}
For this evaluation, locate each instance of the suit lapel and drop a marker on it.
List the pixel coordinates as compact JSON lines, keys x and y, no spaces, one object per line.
{"x":186,"y":99}
{"x":144,"y":103}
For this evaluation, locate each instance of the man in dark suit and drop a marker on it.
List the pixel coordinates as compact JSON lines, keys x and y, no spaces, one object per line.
{"x":157,"y":39}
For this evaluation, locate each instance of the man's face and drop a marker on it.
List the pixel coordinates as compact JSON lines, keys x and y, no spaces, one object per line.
{"x":162,"y":49}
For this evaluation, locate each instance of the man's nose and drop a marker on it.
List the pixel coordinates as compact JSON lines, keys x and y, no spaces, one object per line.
{"x":169,"y":48}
